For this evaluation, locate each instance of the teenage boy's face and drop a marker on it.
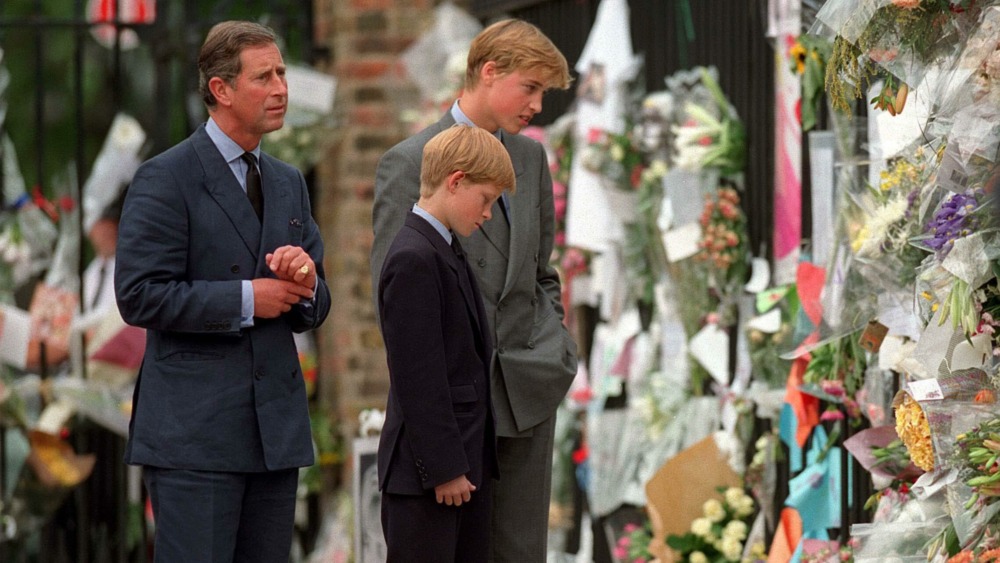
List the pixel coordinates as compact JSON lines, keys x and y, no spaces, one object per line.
{"x":471,"y":206}
{"x":515,"y":98}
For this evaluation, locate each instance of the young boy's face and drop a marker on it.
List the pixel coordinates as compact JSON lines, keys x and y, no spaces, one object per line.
{"x":514,"y":99}
{"x":471,"y":206}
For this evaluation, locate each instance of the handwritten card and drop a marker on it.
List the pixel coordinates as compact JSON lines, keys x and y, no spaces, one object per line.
{"x":682,"y":242}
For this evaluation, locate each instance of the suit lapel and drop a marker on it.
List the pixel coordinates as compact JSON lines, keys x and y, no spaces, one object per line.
{"x":522,"y":213}
{"x":274,"y":230}
{"x":453,"y":261}
{"x":226,"y":191}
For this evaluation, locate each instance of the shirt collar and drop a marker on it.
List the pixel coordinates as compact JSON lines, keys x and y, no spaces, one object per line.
{"x":459,"y":116}
{"x":229,"y":148}
{"x":438,"y":225}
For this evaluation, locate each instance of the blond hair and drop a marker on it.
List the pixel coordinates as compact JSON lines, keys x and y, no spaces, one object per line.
{"x":474,"y":151}
{"x":516,"y":45}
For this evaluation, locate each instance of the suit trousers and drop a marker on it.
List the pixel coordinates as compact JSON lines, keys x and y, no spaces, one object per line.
{"x":418,"y":529}
{"x":218,"y":517}
{"x":521,"y":498}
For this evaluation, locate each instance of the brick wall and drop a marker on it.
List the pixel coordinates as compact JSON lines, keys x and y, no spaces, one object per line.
{"x":365,"y":38}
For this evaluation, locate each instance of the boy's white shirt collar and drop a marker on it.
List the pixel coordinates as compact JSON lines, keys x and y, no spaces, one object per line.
{"x":438,"y":225}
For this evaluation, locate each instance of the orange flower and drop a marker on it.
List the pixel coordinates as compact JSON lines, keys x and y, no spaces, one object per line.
{"x":915,"y":432}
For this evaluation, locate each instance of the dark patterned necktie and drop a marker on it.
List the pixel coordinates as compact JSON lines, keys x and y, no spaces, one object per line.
{"x":254,"y":191}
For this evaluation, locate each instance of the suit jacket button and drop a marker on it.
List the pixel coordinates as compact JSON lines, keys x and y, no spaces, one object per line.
{"x":235,"y":268}
{"x":227,"y":325}
{"x":500,"y":306}
{"x":481,"y":262}
{"x":531,"y":344}
{"x":258,"y":374}
{"x":534,"y":301}
{"x":500,"y":350}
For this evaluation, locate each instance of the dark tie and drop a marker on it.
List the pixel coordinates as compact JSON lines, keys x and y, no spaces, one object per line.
{"x":254,"y":191}
{"x":457,"y":247}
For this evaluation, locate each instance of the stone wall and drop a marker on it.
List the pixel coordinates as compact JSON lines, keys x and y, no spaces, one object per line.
{"x":365,"y":38}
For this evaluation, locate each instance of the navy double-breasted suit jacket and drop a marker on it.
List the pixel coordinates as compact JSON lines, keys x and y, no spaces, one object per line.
{"x":210,"y":395}
{"x":439,"y":419}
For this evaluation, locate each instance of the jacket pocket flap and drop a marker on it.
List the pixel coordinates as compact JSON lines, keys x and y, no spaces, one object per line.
{"x":463,"y":394}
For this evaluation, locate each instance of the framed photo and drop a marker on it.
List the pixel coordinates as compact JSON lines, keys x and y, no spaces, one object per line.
{"x":369,"y":543}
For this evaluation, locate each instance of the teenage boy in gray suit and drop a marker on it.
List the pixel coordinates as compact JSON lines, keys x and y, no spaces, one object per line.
{"x":220,"y":260}
{"x":437,"y":451}
{"x":511,"y":65}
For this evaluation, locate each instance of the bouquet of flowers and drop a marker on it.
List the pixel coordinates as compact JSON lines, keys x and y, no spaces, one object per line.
{"x":892,"y":216}
{"x":718,"y":535}
{"x":710,"y":136}
{"x":615,"y":157}
{"x":724,"y":239}
{"x":808,"y":55}
{"x":894,"y":40}
{"x":914,"y":431}
{"x":633,"y":546}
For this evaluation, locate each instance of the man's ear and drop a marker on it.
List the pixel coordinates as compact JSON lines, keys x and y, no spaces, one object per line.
{"x":220,"y":89}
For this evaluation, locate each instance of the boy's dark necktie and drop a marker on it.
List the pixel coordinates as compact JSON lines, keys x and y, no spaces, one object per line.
{"x":254,"y":191}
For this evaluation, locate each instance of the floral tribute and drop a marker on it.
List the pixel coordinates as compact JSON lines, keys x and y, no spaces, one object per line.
{"x":978,"y":454}
{"x":710,"y":135}
{"x":915,"y":432}
{"x":723,"y":243}
{"x":895,"y":42}
{"x":719,"y":534}
{"x":807,"y":56}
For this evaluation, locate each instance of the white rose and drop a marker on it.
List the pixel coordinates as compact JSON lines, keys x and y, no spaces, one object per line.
{"x":732,"y":549}
{"x":697,"y":557}
{"x":733,"y":496}
{"x":736,"y":529}
{"x":617,"y":153}
{"x":701,"y":527}
{"x":714,"y":510}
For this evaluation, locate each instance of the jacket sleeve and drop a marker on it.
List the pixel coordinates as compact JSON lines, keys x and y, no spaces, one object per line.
{"x":153,"y":284}
{"x":310,"y":317}
{"x":397,"y":188}
{"x":412,"y":298}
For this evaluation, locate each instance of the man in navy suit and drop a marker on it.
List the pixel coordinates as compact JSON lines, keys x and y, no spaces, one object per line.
{"x":437,"y":452}
{"x":220,"y":260}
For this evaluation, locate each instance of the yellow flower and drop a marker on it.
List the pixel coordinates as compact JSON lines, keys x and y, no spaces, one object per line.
{"x":798,"y":53}
{"x":915,"y":432}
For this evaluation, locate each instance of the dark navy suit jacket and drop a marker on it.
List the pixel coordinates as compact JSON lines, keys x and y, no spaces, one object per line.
{"x":439,"y":419}
{"x":210,"y":395}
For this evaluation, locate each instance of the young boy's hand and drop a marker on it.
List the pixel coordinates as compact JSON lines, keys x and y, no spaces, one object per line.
{"x":454,"y":492}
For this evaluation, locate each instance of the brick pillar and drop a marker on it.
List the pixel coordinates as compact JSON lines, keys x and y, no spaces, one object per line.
{"x":365,"y":39}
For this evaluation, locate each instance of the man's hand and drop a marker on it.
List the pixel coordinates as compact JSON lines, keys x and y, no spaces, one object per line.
{"x":292,"y":263}
{"x":454,"y":492}
{"x":273,"y":297}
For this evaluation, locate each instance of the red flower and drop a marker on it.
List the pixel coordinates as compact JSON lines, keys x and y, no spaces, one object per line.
{"x":581,"y":455}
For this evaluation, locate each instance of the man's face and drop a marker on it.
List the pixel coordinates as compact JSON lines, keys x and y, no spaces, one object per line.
{"x":260,"y":93}
{"x":514,"y":99}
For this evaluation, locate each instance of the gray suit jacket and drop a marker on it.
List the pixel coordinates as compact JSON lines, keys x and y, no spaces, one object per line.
{"x":535,"y":357}
{"x":210,"y":395}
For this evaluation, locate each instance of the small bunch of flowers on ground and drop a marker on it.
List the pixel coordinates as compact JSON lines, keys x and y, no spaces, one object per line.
{"x":718,"y":535}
